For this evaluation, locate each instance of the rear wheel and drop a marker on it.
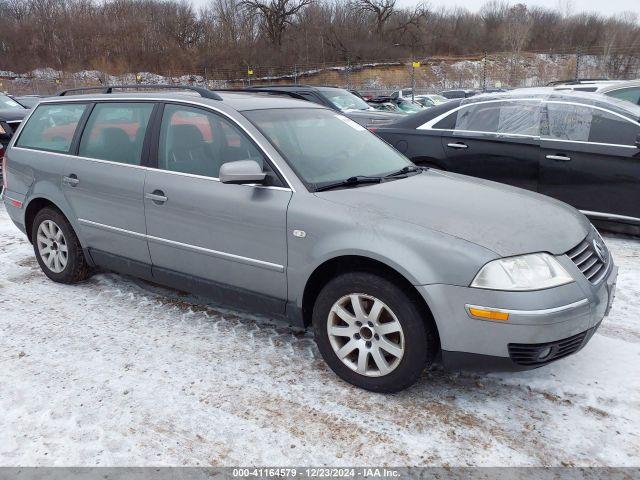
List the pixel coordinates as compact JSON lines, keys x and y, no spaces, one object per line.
{"x":57,"y":247}
{"x":371,"y":333}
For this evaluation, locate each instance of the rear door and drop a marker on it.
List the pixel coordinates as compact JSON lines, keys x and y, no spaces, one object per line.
{"x":104,"y":184}
{"x":225,"y":241}
{"x":589,"y":160}
{"x":496,"y":140}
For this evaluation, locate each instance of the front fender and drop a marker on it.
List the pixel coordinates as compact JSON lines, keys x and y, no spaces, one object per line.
{"x":420,"y":255}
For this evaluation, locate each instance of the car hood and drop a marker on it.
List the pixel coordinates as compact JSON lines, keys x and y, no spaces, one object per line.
{"x":506,"y":220}
{"x":11,"y":114}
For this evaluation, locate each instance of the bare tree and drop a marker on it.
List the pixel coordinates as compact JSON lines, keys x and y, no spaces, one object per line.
{"x":382,"y":10}
{"x":275,"y":15}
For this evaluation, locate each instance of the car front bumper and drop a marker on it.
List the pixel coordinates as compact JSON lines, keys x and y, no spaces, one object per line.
{"x":559,"y":320}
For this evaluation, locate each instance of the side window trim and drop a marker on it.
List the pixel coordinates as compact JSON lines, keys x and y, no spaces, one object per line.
{"x":75,"y":143}
{"x":152,"y":137}
{"x":594,"y":107}
{"x":155,"y":146}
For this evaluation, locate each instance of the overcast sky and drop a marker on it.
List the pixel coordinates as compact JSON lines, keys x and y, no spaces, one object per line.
{"x":604,"y":7}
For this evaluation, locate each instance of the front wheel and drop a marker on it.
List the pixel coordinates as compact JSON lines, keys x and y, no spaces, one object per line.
{"x":57,"y":247}
{"x":371,"y":333}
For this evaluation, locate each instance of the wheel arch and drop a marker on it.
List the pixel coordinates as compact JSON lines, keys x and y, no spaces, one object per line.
{"x":32,"y":209}
{"x":39,"y":201}
{"x":327,"y":270}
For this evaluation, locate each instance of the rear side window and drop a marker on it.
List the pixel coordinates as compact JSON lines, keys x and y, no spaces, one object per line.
{"x":115,"y":132}
{"x":51,"y":127}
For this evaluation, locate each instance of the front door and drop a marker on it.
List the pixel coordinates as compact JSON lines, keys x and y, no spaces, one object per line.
{"x":496,"y":140}
{"x":589,"y":160}
{"x":224,"y":241}
{"x":104,"y":184}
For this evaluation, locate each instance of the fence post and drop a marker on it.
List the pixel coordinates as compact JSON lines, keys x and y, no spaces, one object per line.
{"x":484,"y":72}
{"x":578,"y":55}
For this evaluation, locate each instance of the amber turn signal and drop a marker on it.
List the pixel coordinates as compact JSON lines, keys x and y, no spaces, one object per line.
{"x":489,"y":314}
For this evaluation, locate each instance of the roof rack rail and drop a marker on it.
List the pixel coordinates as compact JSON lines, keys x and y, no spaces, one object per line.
{"x":205,"y":93}
{"x":579,"y":81}
{"x":271,"y":91}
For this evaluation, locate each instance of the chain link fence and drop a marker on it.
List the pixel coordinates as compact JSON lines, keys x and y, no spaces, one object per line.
{"x":428,"y":75}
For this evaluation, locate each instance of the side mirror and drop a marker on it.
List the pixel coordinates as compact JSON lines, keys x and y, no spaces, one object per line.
{"x":242,"y":171}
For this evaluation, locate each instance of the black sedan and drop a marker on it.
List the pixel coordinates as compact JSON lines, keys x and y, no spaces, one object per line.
{"x":583,"y":149}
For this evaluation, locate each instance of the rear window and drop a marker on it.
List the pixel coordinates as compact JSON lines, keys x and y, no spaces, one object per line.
{"x":51,"y":127}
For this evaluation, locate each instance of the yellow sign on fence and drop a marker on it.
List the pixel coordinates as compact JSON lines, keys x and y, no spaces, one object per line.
{"x":249,"y":71}
{"x":415,"y":64}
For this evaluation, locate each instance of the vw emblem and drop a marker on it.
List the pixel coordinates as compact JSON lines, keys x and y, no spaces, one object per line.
{"x":599,"y":249}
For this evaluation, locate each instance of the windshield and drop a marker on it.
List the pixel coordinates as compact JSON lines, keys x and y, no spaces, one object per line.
{"x":324,"y":147}
{"x":409,"y":107}
{"x":344,"y":100}
{"x":9,"y":103}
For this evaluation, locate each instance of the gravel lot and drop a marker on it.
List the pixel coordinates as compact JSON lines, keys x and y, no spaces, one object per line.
{"x":111,"y":373}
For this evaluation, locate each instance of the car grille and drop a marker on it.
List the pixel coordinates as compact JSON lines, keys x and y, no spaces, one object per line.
{"x":528,"y":354}
{"x":591,"y":256}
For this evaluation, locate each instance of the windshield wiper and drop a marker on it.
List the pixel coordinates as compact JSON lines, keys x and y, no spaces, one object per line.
{"x":350,"y":182}
{"x":405,"y":170}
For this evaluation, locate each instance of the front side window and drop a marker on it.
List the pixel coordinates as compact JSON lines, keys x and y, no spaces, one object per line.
{"x":51,"y":127}
{"x":198,"y":142}
{"x":631,"y":94}
{"x":581,"y":123}
{"x":115,"y":132}
{"x":609,"y":128}
{"x":324,"y":147}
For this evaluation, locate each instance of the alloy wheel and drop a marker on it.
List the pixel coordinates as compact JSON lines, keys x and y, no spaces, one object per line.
{"x":52,"y":246}
{"x":365,"y":335}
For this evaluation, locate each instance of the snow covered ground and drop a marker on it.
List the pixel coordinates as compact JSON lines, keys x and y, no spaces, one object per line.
{"x":110,"y":373}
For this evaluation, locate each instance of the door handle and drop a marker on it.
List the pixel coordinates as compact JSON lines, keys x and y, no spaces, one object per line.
{"x":71,"y":180}
{"x":559,"y":158}
{"x":157,"y":196}
{"x":457,"y":145}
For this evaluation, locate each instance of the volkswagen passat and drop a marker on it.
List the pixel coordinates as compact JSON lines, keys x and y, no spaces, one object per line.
{"x":291,"y":210}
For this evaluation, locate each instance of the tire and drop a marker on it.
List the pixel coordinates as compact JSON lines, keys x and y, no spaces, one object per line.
{"x":70,"y":268}
{"x":416,"y":339}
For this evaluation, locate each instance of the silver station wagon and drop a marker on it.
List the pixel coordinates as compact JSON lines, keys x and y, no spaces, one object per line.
{"x":290,"y":210}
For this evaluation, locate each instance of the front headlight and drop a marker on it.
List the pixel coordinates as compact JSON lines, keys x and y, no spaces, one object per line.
{"x":526,"y":272}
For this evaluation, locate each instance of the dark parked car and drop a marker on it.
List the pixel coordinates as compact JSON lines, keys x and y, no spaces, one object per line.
{"x":28,"y":101}
{"x":581,"y":148}
{"x":459,"y":93}
{"x":337,"y":99}
{"x":11,"y":114}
